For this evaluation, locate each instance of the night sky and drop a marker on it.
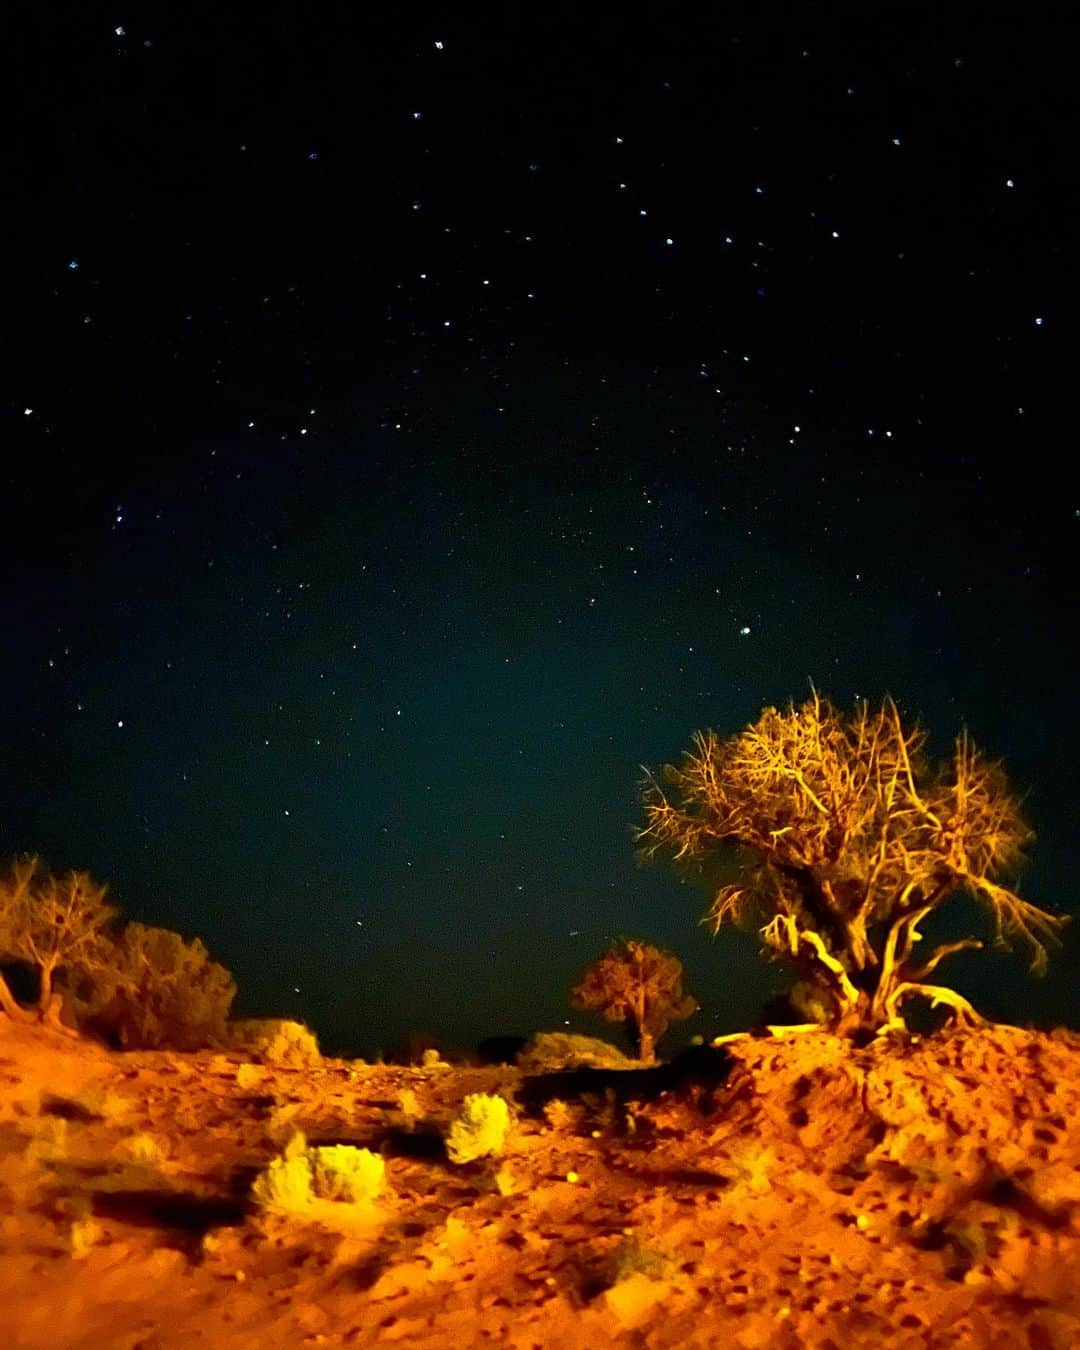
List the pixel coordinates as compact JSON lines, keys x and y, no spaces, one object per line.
{"x":415,"y":424}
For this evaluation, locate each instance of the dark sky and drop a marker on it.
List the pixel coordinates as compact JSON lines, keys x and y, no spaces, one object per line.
{"x":415,"y":424}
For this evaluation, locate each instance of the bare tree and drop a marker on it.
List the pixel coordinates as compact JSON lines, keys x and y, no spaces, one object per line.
{"x":14,"y":890}
{"x":844,"y":839}
{"x":53,"y":924}
{"x":639,"y":985}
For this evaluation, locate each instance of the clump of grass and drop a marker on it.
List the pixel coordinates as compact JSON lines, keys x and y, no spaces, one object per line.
{"x":142,"y":1148}
{"x":752,"y":1165}
{"x":633,"y":1257}
{"x":561,"y":1115}
{"x":480,"y":1130}
{"x":409,"y":1106}
{"x":83,"y":1235}
{"x":284,"y":1187}
{"x":248,"y":1076}
{"x":506,"y":1183}
{"x":281,"y":1122}
{"x":340,"y":1172}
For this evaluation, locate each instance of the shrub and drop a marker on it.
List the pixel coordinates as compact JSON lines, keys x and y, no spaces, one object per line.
{"x":301,"y":1175}
{"x":285,"y":1185}
{"x":248,"y":1076}
{"x":552,"y":1050}
{"x":150,"y":988}
{"x":409,"y":1106}
{"x":561,"y":1115}
{"x":143,"y":1149}
{"x":276,"y":1041}
{"x":480,"y":1130}
{"x":341,"y":1172}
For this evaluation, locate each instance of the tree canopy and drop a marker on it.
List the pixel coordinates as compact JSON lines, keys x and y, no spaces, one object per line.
{"x":843,"y":838}
{"x":639,"y":985}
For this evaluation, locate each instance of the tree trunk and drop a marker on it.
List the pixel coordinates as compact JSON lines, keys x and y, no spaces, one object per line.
{"x":7,"y":1002}
{"x":646,"y":1046}
{"x":45,"y":989}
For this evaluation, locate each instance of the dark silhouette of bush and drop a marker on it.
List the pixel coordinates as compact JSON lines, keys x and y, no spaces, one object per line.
{"x":552,"y":1051}
{"x":412,"y":1049}
{"x":843,"y":839}
{"x":500,"y":1049}
{"x":638,"y":985}
{"x":152,"y":989}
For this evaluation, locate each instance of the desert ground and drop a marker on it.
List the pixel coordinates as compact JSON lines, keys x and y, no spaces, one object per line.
{"x":783,"y":1190}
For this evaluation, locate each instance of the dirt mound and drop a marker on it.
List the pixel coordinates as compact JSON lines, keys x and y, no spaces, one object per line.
{"x":915,"y":1193}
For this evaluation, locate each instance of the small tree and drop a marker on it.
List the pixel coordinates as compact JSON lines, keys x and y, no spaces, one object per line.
{"x":53,"y":924}
{"x":843,"y":839}
{"x":14,"y":890}
{"x":150,"y":988}
{"x":638,"y":985}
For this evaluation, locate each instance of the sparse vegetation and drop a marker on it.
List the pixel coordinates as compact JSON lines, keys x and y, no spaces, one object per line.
{"x":55,"y":925}
{"x":548,"y":1051}
{"x":352,"y":1175}
{"x":844,"y":839}
{"x":338,"y":1173}
{"x":639,"y":986}
{"x":480,"y":1130}
{"x":409,"y":1106}
{"x":284,"y":1186}
{"x":248,"y":1076}
{"x":275,"y":1041}
{"x":150,"y":988}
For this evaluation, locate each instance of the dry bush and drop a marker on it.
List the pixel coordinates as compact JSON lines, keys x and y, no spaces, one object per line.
{"x":549,"y":1051}
{"x":480,"y":1130}
{"x":843,"y":839}
{"x":275,"y":1041}
{"x":151,"y":989}
{"x":302,"y":1175}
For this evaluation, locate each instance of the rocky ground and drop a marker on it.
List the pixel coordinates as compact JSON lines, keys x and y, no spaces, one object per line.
{"x":798,"y":1191}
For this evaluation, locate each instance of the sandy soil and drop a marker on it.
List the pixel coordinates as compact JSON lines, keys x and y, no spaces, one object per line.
{"x":803,"y":1193}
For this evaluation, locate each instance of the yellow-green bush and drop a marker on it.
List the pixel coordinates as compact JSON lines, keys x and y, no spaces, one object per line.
{"x":480,"y":1130}
{"x":341,"y":1172}
{"x":285,"y":1186}
{"x":275,"y":1041}
{"x":248,"y":1076}
{"x":336,"y":1172}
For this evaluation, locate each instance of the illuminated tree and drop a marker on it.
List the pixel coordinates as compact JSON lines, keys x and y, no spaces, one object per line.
{"x":53,"y":924}
{"x":844,"y":839}
{"x":13,"y":899}
{"x":638,"y":985}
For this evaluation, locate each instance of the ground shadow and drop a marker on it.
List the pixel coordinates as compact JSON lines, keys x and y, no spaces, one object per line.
{"x":182,"y":1215}
{"x":702,"y":1066}
{"x":424,"y":1143}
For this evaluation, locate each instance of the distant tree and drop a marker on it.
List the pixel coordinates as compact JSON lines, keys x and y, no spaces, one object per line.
{"x":55,"y":925}
{"x":843,"y":839}
{"x":638,"y":985}
{"x":151,"y":988}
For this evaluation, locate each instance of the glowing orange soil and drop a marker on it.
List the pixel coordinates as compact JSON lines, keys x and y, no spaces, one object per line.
{"x":820,"y":1195}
